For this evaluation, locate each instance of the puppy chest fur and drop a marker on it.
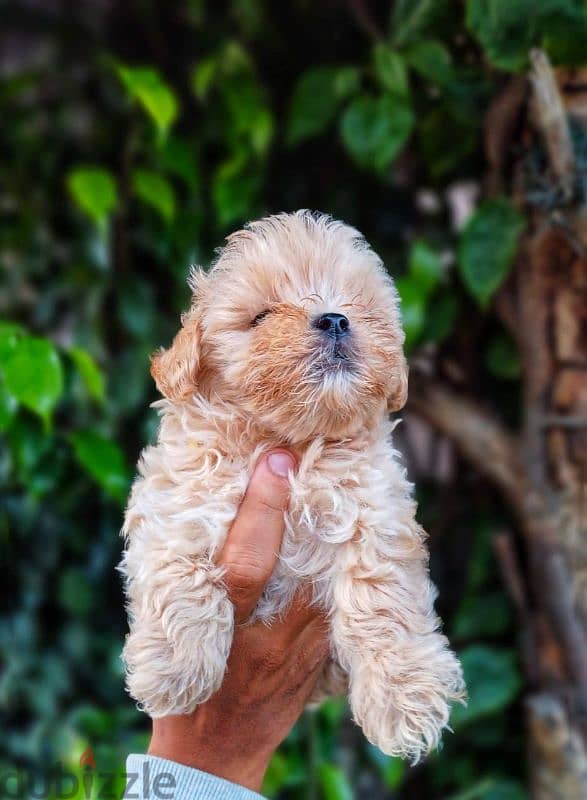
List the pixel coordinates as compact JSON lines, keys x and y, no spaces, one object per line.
{"x":303,"y":348}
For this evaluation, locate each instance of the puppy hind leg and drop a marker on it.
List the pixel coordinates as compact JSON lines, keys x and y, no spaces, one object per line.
{"x":402,"y":675}
{"x":176,"y":652}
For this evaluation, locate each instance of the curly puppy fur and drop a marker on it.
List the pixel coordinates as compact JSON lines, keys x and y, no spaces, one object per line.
{"x":250,"y":370}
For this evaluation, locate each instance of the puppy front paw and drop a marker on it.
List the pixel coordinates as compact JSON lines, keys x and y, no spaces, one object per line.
{"x":402,"y":701}
{"x":164,"y":680}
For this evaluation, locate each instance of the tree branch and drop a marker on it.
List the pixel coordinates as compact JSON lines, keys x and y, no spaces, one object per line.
{"x":479,"y":436}
{"x":551,"y":120}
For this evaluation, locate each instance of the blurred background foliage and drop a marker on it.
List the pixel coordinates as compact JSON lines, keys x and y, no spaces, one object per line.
{"x":134,"y":137}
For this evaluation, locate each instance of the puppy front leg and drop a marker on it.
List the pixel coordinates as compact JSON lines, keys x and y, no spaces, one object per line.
{"x":180,"y":636}
{"x":402,"y":675}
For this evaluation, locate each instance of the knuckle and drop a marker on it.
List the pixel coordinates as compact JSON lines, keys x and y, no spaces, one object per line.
{"x":244,"y":576}
{"x":268,"y":507}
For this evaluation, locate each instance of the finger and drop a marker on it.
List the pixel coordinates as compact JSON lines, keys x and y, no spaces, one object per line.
{"x":254,"y":539}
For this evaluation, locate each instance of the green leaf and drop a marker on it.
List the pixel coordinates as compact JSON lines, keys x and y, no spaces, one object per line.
{"x":374,"y":130}
{"x":155,"y":191}
{"x":391,"y":768}
{"x":440,"y":317}
{"x":89,"y":372}
{"x":276,"y":775}
{"x":492,"y":679}
{"x":8,"y":406}
{"x":10,"y":332}
{"x":425,"y":266}
{"x":390,"y":69}
{"x":34,"y":375}
{"x":508,"y":30}
{"x":412,"y":18}
{"x":334,"y":710}
{"x":492,"y":789}
{"x":235,"y":188}
{"x":483,"y":615}
{"x":179,"y":156}
{"x":335,"y":784}
{"x":103,"y":460}
{"x":488,"y":246}
{"x":203,"y":75}
{"x":75,"y":592}
{"x":431,"y":60}
{"x":94,"y":190}
{"x":503,"y":358}
{"x":316,"y":99}
{"x":412,"y":304}
{"x":249,"y":115}
{"x":147,"y":87}
{"x":446,"y":138}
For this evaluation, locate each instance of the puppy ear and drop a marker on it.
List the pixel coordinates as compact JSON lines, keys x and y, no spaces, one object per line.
{"x":175,"y":370}
{"x":399,"y":393}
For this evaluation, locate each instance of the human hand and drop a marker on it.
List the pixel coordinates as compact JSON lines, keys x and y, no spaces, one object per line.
{"x":271,"y":671}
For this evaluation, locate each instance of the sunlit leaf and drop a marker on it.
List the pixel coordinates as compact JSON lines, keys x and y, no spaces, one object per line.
{"x":10,"y":333}
{"x":316,"y":99}
{"x":154,"y":190}
{"x":89,"y":372}
{"x":203,"y":76}
{"x":492,"y":679}
{"x":94,"y":191}
{"x":103,"y":460}
{"x":374,"y":130}
{"x":276,"y":775}
{"x":425,"y":266}
{"x":147,"y":87}
{"x":487,"y":247}
{"x":335,"y":784}
{"x":34,"y":375}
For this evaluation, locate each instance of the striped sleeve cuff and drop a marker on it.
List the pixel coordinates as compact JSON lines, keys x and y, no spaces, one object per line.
{"x":151,"y":778}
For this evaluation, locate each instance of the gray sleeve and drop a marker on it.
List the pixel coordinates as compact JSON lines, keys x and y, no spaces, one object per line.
{"x":151,"y":778}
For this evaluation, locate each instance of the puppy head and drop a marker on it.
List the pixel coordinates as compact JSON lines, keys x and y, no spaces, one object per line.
{"x":297,"y":323}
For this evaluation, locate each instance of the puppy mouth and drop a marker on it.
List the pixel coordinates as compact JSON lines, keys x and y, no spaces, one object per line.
{"x":338,"y":356}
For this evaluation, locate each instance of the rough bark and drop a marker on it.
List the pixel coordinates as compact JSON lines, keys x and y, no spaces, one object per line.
{"x":542,"y":471}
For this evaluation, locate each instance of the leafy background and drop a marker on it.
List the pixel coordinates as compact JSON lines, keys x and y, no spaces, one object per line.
{"x":135,"y":136}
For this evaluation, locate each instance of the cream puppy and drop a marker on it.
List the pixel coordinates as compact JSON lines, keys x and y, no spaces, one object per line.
{"x":293,"y":338}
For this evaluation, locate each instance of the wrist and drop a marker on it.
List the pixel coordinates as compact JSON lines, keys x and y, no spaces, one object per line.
{"x":184,"y":740}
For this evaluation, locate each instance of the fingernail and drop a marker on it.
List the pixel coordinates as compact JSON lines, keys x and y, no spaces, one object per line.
{"x":281,"y":464}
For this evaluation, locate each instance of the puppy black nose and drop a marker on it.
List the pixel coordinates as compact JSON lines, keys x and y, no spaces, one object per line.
{"x":333,"y":324}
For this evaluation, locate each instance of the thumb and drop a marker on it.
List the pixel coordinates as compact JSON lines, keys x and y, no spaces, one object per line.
{"x":254,"y":540}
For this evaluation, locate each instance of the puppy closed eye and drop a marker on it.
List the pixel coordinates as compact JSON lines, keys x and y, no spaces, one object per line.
{"x":260,"y":317}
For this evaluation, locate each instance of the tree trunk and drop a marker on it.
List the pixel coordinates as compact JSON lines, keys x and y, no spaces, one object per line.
{"x":543,"y":471}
